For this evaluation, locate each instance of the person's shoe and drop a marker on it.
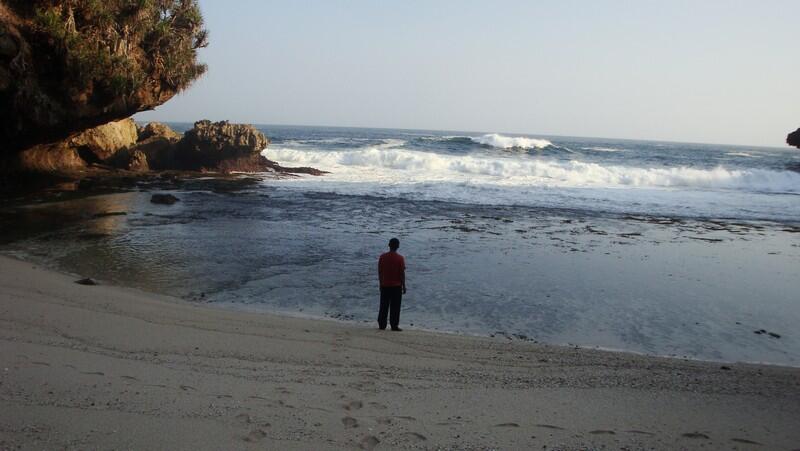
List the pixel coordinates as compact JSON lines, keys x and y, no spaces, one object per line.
{"x":397,"y":329}
{"x":382,"y":328}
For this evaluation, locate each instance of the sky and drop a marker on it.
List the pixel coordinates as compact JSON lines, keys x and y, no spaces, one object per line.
{"x":692,"y":71}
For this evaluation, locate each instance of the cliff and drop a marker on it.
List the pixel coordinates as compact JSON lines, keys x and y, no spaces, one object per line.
{"x":70,"y":65}
{"x":793,"y":139}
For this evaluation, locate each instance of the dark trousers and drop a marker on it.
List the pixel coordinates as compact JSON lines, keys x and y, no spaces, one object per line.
{"x":391,"y":297}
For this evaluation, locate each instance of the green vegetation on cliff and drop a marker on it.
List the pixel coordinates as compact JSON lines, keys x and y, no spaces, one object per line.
{"x":75,"y":64}
{"x":117,"y":45}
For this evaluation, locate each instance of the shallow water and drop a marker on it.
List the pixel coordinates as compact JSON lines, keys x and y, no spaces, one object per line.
{"x":690,"y":271}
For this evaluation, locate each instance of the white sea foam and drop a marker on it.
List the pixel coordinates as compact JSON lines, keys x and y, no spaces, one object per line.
{"x":397,"y":165}
{"x":510,"y":142}
{"x":741,"y":154}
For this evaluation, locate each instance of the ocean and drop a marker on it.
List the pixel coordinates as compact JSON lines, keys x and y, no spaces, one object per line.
{"x":674,"y":249}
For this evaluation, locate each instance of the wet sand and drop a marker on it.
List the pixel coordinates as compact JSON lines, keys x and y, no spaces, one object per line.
{"x":103,"y":367}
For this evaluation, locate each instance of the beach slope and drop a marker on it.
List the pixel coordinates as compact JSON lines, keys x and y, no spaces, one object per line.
{"x":91,"y":367}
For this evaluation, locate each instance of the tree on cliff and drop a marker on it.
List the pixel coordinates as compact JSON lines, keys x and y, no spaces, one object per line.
{"x":67,"y":65}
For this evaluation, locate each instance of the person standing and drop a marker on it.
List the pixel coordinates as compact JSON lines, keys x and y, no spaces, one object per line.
{"x":392,"y":277}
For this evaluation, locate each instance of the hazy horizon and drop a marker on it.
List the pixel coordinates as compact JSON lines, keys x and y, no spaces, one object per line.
{"x":716,"y":72}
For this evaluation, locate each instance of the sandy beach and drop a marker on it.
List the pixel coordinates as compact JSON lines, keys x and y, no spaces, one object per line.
{"x":104,"y":367}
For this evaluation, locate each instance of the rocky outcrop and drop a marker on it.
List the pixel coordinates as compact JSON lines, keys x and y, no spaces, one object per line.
{"x":157,"y":130}
{"x":102,"y":143}
{"x":67,"y":66}
{"x":209,"y":147}
{"x":793,"y":139}
{"x":221,"y":145}
{"x":158,"y":143}
{"x":99,"y":145}
{"x":47,"y":158}
{"x":225,"y":147}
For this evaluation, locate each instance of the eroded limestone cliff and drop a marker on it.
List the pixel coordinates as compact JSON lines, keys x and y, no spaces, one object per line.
{"x":70,"y":65}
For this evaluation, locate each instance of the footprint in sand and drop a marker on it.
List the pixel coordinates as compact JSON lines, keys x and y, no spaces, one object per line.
{"x":353,"y":405}
{"x":602,"y":431}
{"x":187,"y":388}
{"x":349,"y":422}
{"x":549,"y":426}
{"x":129,"y":378}
{"x":255,"y":435}
{"x":414,"y":436}
{"x":696,"y":435}
{"x":94,"y":373}
{"x":378,"y":405}
{"x":507,"y":425}
{"x":41,"y":363}
{"x":744,"y":440}
{"x":383,"y":420}
{"x":634,"y":431}
{"x":244,"y":418}
{"x":369,"y":442}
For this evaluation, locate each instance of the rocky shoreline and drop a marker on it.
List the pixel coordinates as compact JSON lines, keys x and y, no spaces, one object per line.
{"x":121,"y":155}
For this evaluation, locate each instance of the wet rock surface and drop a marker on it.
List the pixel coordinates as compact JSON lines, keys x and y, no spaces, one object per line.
{"x":164,"y":199}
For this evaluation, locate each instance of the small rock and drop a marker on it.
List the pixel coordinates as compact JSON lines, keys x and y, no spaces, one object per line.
{"x":723,"y":367}
{"x":86,"y":281}
{"x":164,"y":199}
{"x":773,"y":335}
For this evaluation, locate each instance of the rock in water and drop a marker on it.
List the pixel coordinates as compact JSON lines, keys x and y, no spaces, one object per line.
{"x":86,"y":281}
{"x":208,"y":145}
{"x":164,"y":199}
{"x":793,"y":139}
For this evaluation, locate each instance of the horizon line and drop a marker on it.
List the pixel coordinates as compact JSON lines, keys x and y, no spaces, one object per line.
{"x":528,"y":135}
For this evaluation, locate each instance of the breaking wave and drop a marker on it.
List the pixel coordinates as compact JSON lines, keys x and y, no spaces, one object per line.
{"x":510,"y":142}
{"x":398,"y":165}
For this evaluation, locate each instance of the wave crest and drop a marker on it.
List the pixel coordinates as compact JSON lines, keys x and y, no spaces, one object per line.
{"x":407,"y":166}
{"x":510,"y":142}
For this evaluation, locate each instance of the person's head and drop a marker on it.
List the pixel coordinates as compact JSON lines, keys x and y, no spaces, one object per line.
{"x":394,"y":243}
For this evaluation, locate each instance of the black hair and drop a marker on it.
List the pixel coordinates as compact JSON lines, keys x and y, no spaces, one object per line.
{"x":394,"y":243}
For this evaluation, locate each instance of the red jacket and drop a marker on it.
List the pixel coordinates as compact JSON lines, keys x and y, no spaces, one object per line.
{"x":391,"y":269}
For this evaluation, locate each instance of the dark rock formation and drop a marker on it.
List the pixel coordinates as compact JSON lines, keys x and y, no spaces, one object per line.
{"x":793,"y":139}
{"x":208,"y":145}
{"x":70,"y":65}
{"x":86,"y":281}
{"x":164,"y":199}
{"x":225,"y":147}
{"x":137,"y":162}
